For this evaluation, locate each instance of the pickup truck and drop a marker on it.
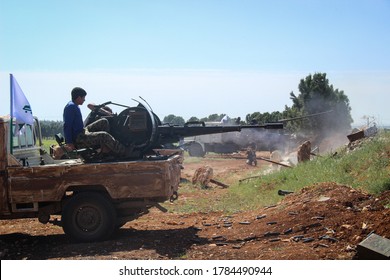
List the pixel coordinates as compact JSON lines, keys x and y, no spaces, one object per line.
{"x":92,"y":199}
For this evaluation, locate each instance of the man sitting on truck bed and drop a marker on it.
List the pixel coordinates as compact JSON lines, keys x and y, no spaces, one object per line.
{"x":93,"y":135}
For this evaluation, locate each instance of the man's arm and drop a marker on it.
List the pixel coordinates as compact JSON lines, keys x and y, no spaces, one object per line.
{"x":101,"y":110}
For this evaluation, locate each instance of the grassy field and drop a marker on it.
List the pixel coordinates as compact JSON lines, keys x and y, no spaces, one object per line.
{"x":366,"y":167}
{"x":47,"y":142}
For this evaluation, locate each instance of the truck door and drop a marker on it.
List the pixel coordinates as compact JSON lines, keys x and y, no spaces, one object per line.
{"x":4,"y":139}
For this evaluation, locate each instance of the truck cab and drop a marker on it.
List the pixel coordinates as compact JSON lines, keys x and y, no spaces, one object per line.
{"x":27,"y":144}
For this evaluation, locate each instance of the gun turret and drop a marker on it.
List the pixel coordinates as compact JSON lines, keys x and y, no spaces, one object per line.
{"x":140,"y":127}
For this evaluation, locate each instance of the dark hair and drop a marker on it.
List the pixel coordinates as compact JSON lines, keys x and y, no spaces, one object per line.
{"x":78,"y":91}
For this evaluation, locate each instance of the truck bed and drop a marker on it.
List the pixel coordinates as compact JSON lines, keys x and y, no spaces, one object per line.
{"x":143,"y":179}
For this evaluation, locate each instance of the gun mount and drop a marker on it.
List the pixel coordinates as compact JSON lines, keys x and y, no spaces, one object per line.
{"x":140,"y":126}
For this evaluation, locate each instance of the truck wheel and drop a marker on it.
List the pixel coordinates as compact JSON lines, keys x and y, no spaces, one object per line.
{"x":196,"y":150}
{"x":89,"y":217}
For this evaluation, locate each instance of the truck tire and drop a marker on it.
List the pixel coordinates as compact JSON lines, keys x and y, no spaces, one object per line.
{"x":89,"y":217}
{"x":196,"y":150}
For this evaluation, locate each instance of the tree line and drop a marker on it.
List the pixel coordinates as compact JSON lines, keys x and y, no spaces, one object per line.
{"x":316,"y":95}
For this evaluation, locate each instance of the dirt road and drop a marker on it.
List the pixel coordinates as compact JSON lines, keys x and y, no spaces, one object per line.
{"x":325,"y":221}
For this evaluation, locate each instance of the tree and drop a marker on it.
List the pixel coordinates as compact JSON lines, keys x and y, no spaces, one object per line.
{"x":317,"y":95}
{"x":213,"y":118}
{"x":51,"y":128}
{"x":193,"y":119}
{"x":254,"y":118}
{"x":262,"y":118}
{"x":175,"y":120}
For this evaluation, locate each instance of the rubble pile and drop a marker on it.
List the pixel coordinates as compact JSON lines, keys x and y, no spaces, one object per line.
{"x":323,"y":221}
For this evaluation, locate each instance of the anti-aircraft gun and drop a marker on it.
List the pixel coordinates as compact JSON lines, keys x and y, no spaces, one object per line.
{"x":140,"y":127}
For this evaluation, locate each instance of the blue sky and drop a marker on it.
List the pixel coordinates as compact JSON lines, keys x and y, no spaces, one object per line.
{"x":195,"y":58}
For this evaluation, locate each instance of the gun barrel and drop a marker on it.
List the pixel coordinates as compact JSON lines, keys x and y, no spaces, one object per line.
{"x":276,"y":125}
{"x":169,"y":134}
{"x":188,"y":131}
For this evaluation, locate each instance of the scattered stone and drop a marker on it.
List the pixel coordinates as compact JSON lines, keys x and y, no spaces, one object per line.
{"x":275,"y":239}
{"x":323,"y":198}
{"x":307,"y":239}
{"x":350,"y":248}
{"x":261,"y":216}
{"x":318,"y":218}
{"x":221,"y":243}
{"x":270,"y":233}
{"x":329,"y":238}
{"x":321,"y":245}
{"x":249,"y":238}
{"x":357,"y":238}
{"x":346,"y":226}
{"x":174,"y":223}
{"x":218,"y":237}
{"x":329,"y":230}
{"x":306,"y":227}
{"x":297,"y":238}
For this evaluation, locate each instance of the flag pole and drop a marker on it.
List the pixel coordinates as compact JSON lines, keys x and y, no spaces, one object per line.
{"x":11,"y":141}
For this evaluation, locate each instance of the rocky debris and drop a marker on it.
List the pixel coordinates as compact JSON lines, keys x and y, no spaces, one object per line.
{"x":334,"y":231}
{"x":361,"y":133}
{"x":303,"y":225}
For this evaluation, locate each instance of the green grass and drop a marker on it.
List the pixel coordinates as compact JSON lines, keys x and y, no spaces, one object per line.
{"x":366,"y":168}
{"x":47,"y":142}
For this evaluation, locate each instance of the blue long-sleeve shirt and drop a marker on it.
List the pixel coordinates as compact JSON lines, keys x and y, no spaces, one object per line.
{"x":73,"y":122}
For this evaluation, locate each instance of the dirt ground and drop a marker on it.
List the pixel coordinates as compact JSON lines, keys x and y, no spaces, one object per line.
{"x":324,"y":221}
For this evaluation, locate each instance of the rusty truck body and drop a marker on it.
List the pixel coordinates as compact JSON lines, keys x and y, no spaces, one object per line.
{"x":91,"y":199}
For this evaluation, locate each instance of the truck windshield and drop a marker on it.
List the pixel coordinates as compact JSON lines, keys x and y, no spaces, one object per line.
{"x":23,"y":137}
